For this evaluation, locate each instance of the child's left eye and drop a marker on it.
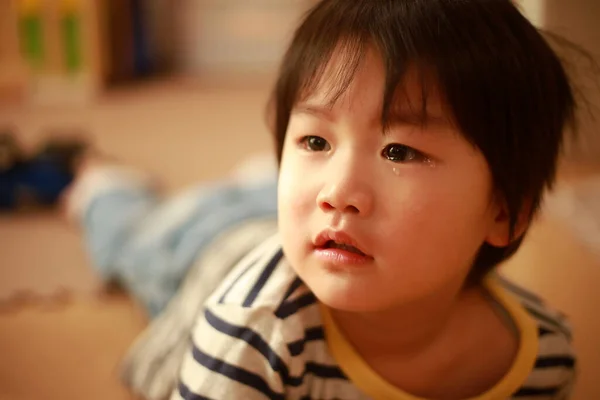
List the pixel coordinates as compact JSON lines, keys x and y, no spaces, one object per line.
{"x":400,"y":153}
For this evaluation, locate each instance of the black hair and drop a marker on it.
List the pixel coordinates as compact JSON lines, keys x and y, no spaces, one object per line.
{"x":505,"y":87}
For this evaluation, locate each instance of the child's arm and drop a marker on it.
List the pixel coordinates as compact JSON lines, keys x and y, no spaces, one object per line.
{"x":237,"y":354}
{"x":567,"y":391}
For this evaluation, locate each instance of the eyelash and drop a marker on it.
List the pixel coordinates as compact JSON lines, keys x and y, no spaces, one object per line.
{"x":407,"y":153}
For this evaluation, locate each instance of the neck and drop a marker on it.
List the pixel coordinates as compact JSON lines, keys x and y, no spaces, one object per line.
{"x":417,"y":347}
{"x":407,"y":330}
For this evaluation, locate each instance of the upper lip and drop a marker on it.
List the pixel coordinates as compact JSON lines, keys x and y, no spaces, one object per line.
{"x":338,"y":236}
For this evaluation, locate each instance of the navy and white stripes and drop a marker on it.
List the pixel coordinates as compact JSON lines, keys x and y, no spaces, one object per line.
{"x":262,"y":337}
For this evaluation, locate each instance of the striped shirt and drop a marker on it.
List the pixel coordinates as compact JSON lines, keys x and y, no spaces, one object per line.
{"x":264,"y":335}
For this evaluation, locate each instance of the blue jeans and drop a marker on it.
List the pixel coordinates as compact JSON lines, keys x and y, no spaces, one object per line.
{"x":148,"y":245}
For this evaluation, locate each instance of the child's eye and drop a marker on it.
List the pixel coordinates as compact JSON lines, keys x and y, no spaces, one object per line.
{"x":315,"y":143}
{"x":400,"y":153}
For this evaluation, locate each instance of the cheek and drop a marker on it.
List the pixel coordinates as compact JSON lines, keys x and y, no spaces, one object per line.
{"x":443,"y":215}
{"x":296,"y":198}
{"x":295,"y":205}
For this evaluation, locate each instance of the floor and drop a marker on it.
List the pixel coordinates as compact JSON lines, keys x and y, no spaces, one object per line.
{"x":66,"y":342}
{"x":68,"y":350}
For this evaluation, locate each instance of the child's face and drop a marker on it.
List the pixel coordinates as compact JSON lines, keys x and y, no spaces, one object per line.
{"x":416,"y":201}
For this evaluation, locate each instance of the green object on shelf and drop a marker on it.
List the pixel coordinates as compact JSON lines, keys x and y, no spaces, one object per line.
{"x":32,"y":42}
{"x":71,"y":41}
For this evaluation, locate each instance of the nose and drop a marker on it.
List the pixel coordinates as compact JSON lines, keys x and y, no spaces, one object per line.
{"x":348,"y":192}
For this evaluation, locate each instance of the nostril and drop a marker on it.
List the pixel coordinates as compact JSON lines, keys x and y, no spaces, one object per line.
{"x":327,"y":206}
{"x":352,"y":209}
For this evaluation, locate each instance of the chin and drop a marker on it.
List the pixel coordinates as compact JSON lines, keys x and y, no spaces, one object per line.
{"x":343,"y":289}
{"x":350,"y":307}
{"x":346,"y":299}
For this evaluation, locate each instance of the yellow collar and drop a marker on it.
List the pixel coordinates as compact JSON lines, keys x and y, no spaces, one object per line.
{"x":374,"y":386}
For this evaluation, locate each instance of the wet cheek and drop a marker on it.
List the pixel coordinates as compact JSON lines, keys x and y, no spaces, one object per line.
{"x":438,"y":219}
{"x":417,"y":213}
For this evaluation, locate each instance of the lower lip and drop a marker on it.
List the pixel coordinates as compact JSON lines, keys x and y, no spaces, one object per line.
{"x":341,"y":257}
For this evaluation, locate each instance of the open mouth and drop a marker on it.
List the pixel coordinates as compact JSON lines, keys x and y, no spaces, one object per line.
{"x":330,"y":244}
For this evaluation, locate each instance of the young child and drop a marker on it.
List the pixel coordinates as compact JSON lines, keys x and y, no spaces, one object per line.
{"x":415,"y":140}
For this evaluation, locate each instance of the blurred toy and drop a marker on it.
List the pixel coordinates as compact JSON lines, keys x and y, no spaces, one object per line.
{"x":40,"y":179}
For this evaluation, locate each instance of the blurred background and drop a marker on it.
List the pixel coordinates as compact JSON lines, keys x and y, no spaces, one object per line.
{"x":179,"y":88}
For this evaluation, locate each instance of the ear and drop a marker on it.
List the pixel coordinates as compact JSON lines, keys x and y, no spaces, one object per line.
{"x":499,"y":233}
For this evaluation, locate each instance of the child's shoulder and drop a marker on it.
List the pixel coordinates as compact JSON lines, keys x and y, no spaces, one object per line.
{"x":546,"y":362}
{"x":554,"y":368}
{"x":555,"y":360}
{"x":550,"y":321}
{"x":264,"y":280}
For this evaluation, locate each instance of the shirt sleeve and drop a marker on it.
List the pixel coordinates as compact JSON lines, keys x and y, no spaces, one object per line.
{"x":236,"y":353}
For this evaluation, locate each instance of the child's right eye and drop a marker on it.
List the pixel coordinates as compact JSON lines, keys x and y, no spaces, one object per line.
{"x":314,"y":143}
